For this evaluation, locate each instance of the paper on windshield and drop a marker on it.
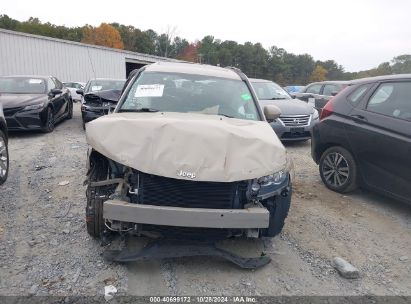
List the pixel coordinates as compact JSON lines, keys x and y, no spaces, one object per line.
{"x":149,"y":90}
{"x":211,"y":147}
{"x":35,"y":81}
{"x":96,"y":88}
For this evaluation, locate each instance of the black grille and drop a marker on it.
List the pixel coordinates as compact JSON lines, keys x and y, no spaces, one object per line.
{"x":12,"y":123}
{"x":163,"y":191}
{"x":11,"y":111}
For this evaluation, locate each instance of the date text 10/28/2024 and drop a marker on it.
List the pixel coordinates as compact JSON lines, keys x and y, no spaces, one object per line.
{"x":203,"y":299}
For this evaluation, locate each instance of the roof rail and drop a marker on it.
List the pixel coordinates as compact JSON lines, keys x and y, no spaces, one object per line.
{"x":237,"y":71}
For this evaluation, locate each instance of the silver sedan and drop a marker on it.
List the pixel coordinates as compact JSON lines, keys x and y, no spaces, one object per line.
{"x":297,"y":117}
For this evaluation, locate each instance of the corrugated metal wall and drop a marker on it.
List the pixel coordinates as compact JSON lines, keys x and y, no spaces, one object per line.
{"x":24,"y":54}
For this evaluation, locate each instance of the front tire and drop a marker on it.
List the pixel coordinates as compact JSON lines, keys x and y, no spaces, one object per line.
{"x":70,"y":109}
{"x":338,"y":170}
{"x":95,"y":198}
{"x":4,"y":158}
{"x":49,"y":127}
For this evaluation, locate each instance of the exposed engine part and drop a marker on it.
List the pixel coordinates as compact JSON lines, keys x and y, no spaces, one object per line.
{"x":253,"y":233}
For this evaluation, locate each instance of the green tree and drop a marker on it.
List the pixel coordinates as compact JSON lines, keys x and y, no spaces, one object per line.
{"x":8,"y":23}
{"x":401,"y":64}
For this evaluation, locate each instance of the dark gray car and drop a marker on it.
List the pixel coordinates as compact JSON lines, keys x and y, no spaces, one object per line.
{"x":319,"y":93}
{"x":4,"y":155}
{"x":297,"y":117}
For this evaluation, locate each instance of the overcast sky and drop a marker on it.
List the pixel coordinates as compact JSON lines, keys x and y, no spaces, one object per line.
{"x":358,"y":34}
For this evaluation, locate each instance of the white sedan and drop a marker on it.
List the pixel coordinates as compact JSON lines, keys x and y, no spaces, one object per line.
{"x":73,"y":87}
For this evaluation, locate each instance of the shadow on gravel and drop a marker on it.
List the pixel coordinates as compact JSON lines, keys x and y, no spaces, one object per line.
{"x":35,"y":133}
{"x":381,"y":202}
{"x":296,"y":144}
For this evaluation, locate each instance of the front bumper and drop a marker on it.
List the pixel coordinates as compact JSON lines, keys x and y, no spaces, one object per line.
{"x":17,"y":119}
{"x":90,"y":113}
{"x":253,"y":217}
{"x":293,"y":133}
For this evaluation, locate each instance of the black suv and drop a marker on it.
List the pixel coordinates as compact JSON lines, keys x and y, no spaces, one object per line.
{"x":4,"y":155}
{"x":319,"y":93}
{"x":364,"y":137}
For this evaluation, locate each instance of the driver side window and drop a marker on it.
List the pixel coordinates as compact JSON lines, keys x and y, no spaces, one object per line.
{"x":50,"y":83}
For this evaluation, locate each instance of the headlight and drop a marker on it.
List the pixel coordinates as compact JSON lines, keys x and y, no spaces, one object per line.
{"x":33,"y":107}
{"x":315,"y":114}
{"x":276,"y":178}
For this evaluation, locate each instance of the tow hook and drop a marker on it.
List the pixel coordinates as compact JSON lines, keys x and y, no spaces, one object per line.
{"x":285,"y":192}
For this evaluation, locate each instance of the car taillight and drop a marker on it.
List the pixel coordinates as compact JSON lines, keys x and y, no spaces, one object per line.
{"x":327,"y":110}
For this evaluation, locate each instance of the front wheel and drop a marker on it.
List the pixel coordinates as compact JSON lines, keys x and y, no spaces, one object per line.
{"x":95,"y":198}
{"x":70,"y":109}
{"x":338,"y":170}
{"x":49,"y":127}
{"x":4,"y":158}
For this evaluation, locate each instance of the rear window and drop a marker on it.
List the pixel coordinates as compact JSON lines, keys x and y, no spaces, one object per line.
{"x":355,"y":97}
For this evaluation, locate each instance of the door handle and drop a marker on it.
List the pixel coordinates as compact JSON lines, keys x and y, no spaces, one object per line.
{"x":359,"y":118}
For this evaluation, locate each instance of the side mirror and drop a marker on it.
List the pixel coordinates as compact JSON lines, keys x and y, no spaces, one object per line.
{"x":272,"y":112}
{"x":54,"y":92}
{"x":333,"y":93}
{"x":80,"y":91}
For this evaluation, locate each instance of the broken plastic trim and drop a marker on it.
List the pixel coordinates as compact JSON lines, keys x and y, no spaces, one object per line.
{"x":162,"y":249}
{"x":107,"y":182}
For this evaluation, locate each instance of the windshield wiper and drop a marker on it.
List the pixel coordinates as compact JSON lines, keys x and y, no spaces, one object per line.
{"x":277,"y":98}
{"x":139,"y":110}
{"x":225,"y":115}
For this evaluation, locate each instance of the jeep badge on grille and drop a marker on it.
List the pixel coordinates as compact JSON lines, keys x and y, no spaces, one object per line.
{"x":182,"y":173}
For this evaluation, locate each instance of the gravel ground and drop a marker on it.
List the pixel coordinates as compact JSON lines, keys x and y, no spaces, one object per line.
{"x":45,"y":250}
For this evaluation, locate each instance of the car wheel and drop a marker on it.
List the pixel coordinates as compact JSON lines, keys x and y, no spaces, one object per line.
{"x":4,"y":158}
{"x":338,"y":170}
{"x":95,"y":200}
{"x":49,"y":127}
{"x":70,"y":110}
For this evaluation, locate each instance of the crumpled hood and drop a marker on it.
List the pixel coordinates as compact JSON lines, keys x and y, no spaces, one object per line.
{"x":111,"y":96}
{"x":290,"y":106}
{"x":189,"y":146}
{"x":20,"y":100}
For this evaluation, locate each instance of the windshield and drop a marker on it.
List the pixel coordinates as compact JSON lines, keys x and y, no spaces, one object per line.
{"x":22,"y":85}
{"x":186,"y":93}
{"x":101,"y":85}
{"x":269,"y":90}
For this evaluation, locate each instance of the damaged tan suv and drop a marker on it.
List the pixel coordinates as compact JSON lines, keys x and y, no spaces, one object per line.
{"x":187,"y":151}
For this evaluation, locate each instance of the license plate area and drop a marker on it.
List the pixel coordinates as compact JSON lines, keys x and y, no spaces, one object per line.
{"x":296,"y":130}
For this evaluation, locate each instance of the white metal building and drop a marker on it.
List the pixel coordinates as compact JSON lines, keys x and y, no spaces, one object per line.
{"x":26,"y":54}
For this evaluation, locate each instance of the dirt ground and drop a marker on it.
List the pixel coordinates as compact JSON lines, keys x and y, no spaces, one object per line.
{"x":45,"y":249}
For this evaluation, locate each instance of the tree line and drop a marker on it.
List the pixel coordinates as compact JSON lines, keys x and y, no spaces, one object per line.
{"x":252,"y":58}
